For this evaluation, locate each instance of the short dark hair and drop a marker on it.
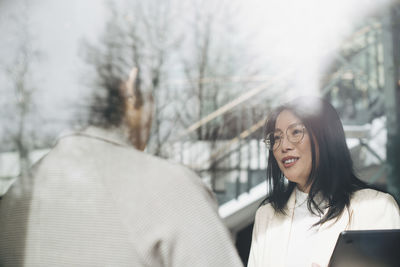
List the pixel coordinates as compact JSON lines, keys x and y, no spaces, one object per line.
{"x":333,"y":176}
{"x":107,"y":105}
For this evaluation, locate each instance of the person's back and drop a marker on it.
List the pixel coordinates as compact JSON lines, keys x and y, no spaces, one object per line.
{"x":94,"y":201}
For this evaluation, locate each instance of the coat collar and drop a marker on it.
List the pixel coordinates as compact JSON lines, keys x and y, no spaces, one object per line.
{"x":115,"y":135}
{"x":5,"y":184}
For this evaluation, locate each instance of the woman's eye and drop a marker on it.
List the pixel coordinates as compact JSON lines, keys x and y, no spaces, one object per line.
{"x":277,"y":137}
{"x":296,"y":132}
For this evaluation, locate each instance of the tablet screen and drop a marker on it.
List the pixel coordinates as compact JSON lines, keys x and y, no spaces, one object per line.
{"x":368,"y":248}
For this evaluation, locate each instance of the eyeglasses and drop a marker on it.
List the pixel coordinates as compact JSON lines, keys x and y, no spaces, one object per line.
{"x":294,"y":133}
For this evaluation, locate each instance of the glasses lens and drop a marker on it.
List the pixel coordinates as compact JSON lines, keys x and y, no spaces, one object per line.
{"x":295,"y":133}
{"x":273,"y":140}
{"x":268,"y":142}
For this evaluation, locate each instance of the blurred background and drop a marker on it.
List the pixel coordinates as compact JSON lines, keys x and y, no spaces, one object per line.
{"x":215,"y":69}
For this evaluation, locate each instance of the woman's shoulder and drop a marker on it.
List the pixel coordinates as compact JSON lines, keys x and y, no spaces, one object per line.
{"x":264,"y":211}
{"x":371,"y":195}
{"x":372,"y":209}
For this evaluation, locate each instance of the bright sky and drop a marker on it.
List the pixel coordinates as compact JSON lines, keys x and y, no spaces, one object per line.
{"x":279,"y":33}
{"x":57,"y":28}
{"x":303,"y":34}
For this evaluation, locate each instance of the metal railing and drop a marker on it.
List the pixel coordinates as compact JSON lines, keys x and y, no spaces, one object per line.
{"x":234,"y":166}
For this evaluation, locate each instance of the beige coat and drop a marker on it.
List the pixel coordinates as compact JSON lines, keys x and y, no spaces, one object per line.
{"x":96,"y":201}
{"x":369,"y":209}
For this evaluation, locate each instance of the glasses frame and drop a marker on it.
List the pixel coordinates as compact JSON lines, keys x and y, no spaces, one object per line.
{"x":267,"y":140}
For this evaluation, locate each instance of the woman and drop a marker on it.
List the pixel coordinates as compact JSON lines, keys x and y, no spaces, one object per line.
{"x":299,"y":222}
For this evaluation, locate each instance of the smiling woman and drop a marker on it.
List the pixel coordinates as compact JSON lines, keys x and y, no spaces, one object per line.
{"x":293,"y":153}
{"x":315,"y":193}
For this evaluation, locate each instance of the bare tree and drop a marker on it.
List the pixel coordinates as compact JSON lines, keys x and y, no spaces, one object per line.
{"x":140,"y":34}
{"x":20,"y":109}
{"x":168,"y":39}
{"x":214,"y":56}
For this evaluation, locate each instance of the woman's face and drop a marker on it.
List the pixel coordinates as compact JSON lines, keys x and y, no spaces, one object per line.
{"x":294,"y":159}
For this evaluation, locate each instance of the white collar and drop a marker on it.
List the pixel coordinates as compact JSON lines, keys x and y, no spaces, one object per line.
{"x":301,"y":197}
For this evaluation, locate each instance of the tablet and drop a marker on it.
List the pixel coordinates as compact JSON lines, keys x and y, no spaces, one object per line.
{"x":368,"y":248}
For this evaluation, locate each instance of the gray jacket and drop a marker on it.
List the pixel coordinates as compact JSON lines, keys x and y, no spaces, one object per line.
{"x":93,"y":200}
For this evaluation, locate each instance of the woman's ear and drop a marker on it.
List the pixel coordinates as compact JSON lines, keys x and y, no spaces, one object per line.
{"x":138,"y":111}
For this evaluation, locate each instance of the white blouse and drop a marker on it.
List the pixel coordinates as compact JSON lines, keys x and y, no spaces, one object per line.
{"x":273,"y":231}
{"x":302,"y":234}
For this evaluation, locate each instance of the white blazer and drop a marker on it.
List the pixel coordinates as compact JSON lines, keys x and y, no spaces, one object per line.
{"x":369,"y":209}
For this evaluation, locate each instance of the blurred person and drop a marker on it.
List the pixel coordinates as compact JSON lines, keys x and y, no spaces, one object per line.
{"x":95,"y":200}
{"x":315,"y":193}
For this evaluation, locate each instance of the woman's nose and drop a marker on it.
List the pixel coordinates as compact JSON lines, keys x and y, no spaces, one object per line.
{"x":286,"y":144}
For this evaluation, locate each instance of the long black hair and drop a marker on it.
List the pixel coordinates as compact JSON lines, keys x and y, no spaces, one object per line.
{"x":332,"y":174}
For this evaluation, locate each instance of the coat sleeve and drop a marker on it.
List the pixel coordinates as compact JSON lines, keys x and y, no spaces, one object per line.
{"x":189,"y":231}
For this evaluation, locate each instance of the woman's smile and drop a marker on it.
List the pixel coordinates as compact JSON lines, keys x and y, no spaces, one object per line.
{"x":294,"y":158}
{"x":289,"y":161}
